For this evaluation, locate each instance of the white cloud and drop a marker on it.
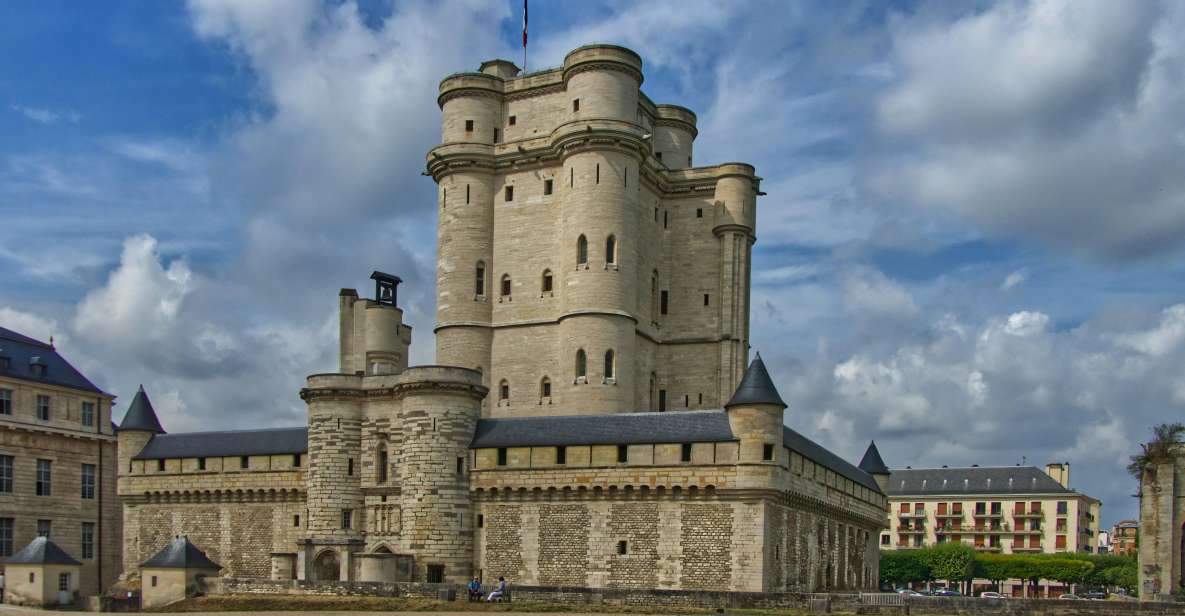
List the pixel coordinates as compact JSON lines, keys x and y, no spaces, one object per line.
{"x":47,"y":116}
{"x":1162,"y":339}
{"x":869,"y":294}
{"x":142,"y":298}
{"x":1014,"y":279}
{"x":1049,"y":119}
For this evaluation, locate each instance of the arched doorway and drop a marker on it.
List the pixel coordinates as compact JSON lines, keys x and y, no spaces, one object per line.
{"x":382,"y":549}
{"x":326,"y":567}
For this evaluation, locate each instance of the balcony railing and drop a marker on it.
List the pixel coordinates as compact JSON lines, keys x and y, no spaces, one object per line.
{"x":951,"y":515}
{"x":1028,"y":514}
{"x":911,"y":514}
{"x":906,"y":530}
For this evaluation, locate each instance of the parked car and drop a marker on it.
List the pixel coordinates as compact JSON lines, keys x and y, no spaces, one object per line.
{"x":910,"y":593}
{"x":1095,"y":594}
{"x":990,"y":594}
{"x":946,"y":592}
{"x":1071,"y":597}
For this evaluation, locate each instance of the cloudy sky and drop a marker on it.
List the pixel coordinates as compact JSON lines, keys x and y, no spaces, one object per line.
{"x":971,"y":248}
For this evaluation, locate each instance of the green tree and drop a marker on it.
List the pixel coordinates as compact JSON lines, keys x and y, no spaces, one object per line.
{"x":901,"y":567}
{"x":1158,"y":450}
{"x":953,"y":562}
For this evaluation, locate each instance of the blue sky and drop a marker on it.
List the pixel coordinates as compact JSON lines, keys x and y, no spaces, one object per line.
{"x":970,"y":250}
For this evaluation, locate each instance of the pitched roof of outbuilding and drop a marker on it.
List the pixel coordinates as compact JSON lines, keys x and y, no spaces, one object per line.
{"x":872,"y":463}
{"x":271,"y":441}
{"x":41,"y":551}
{"x":973,"y":480}
{"x":140,"y":415}
{"x":23,"y":352}
{"x":821,"y":455}
{"x":756,"y":387}
{"x":180,"y":554}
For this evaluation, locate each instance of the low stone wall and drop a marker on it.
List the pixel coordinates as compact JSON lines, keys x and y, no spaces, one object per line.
{"x":838,"y":602}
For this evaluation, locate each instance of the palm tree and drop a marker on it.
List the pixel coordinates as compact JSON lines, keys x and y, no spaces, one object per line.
{"x":1158,"y":450}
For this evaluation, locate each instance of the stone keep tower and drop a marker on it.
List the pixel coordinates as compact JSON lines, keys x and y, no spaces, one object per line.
{"x":387,"y":449}
{"x":584,"y":265}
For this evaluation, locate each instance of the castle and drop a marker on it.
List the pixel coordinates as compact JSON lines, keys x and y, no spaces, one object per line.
{"x":591,"y":421}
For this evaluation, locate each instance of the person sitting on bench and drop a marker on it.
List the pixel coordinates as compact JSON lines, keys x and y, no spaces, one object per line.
{"x":474,"y":589}
{"x":499,"y":593}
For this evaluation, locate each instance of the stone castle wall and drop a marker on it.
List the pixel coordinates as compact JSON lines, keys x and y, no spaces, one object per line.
{"x":1162,"y":528}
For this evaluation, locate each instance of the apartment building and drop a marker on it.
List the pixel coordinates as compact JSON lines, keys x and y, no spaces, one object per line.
{"x":57,"y":460}
{"x":1125,"y":537}
{"x":1009,"y":509}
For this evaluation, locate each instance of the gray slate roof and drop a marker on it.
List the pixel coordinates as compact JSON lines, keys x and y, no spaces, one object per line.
{"x":181,"y":554}
{"x":872,"y":463}
{"x":141,"y":415}
{"x":609,"y":429}
{"x":973,"y":480}
{"x":22,"y":350}
{"x":756,"y":387}
{"x":41,"y":551}
{"x":550,"y":431}
{"x":824,"y":456}
{"x":272,"y":441}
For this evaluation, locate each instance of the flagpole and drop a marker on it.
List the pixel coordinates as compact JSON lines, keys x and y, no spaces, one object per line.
{"x":524,"y":37}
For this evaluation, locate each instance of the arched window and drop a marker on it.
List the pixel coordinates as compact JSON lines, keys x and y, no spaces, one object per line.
{"x":581,"y":364}
{"x":479,"y":283}
{"x":609,"y":364}
{"x":611,"y":250}
{"x":581,"y":251}
{"x":504,"y":390}
{"x":546,"y":286}
{"x":545,"y":388}
{"x":505,"y":285}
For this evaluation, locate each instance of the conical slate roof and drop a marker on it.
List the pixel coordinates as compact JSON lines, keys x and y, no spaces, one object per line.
{"x":756,"y":387}
{"x":140,"y":415}
{"x":181,"y":554}
{"x":872,"y":463}
{"x":41,"y":551}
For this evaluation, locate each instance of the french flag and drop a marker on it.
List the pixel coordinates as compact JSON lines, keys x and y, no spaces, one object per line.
{"x":524,"y":24}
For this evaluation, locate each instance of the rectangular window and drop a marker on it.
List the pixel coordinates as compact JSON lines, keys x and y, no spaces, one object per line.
{"x":501,"y":456}
{"x":88,"y":413}
{"x":43,"y":528}
{"x":561,"y":455}
{"x":435,"y":574}
{"x":347,"y":518}
{"x":686,"y":400}
{"x":767,"y":452}
{"x":6,"y":525}
{"x":662,"y":400}
{"x":662,"y":302}
{"x":6,"y":474}
{"x":460,"y":464}
{"x":664,"y":219}
{"x":466,"y":193}
{"x":497,"y":136}
{"x":64,"y":581}
{"x":383,"y":465}
{"x":5,"y":401}
{"x":160,"y":465}
{"x":1060,"y":542}
{"x":598,"y":178}
{"x":658,"y":155}
{"x":706,"y":302}
{"x":481,"y":520}
{"x":88,"y":481}
{"x":43,"y":408}
{"x":547,"y":187}
{"x":571,"y":177}
{"x":685,"y":452}
{"x":350,"y":466}
{"x":699,"y":212}
{"x":575,"y":104}
{"x":510,"y":193}
{"x":513,"y":120}
{"x":623,"y":454}
{"x":44,"y":478}
{"x":885,"y":539}
{"x":505,"y":287}
{"x":469,"y":126}
{"x":88,"y":539}
{"x":201,"y":464}
{"x":1063,"y":507}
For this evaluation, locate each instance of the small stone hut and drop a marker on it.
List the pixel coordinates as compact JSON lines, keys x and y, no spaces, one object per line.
{"x":42,"y":575}
{"x":175,"y":573}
